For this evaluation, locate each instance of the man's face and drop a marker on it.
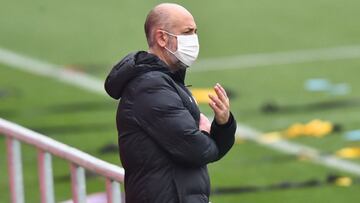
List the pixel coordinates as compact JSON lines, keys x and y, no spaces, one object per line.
{"x":182,"y":26}
{"x":180,"y":23}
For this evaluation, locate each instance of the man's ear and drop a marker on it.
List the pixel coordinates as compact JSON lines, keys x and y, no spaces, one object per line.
{"x":161,"y":38}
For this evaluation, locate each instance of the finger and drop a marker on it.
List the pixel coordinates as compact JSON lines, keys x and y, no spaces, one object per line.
{"x":223,"y":90}
{"x":215,"y":108}
{"x":220,"y":94}
{"x":217,"y":101}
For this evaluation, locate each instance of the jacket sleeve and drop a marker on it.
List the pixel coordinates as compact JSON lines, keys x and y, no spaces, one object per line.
{"x":224,"y":135}
{"x":159,"y":111}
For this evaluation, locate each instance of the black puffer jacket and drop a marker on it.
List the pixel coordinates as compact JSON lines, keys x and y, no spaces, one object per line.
{"x":161,"y":147}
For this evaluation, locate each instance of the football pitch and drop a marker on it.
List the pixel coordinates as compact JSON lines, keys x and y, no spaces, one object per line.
{"x":282,"y":62}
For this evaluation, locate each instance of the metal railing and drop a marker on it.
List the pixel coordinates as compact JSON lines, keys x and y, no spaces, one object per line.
{"x":47,"y":147}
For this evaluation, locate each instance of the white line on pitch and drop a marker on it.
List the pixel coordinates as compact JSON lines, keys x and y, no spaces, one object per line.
{"x":93,"y":84}
{"x":299,"y":150}
{"x":58,"y":72}
{"x":276,"y":58}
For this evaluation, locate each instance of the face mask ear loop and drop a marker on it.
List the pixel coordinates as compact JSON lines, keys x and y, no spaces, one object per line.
{"x":173,"y":53}
{"x":171,"y":34}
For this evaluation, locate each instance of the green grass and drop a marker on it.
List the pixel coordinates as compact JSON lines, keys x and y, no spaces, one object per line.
{"x":92,"y":35}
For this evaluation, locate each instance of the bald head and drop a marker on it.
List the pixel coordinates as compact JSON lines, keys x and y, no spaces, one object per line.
{"x":169,"y":17}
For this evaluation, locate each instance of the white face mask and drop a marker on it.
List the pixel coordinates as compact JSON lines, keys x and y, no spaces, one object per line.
{"x":187,"y":48}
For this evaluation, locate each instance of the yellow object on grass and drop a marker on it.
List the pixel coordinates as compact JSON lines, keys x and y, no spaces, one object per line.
{"x":314,"y":128}
{"x":349,"y":152}
{"x":201,"y":94}
{"x":295,"y":130}
{"x":343,"y":181}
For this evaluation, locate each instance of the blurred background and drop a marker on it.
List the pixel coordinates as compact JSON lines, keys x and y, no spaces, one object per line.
{"x":291,"y":68}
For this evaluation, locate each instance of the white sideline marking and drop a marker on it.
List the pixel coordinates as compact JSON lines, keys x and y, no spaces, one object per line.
{"x":58,"y":72}
{"x":277,"y":58}
{"x":288,"y":147}
{"x":93,"y":84}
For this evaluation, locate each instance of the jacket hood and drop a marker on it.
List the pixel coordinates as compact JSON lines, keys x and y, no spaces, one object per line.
{"x":134,"y":65}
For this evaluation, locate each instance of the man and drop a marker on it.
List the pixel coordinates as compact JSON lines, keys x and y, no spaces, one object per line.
{"x":165,"y":142}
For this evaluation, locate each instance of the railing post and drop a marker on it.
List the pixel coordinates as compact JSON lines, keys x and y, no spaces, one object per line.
{"x":78,"y":183}
{"x":15,"y":170}
{"x":113,"y":192}
{"x":45,"y":177}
